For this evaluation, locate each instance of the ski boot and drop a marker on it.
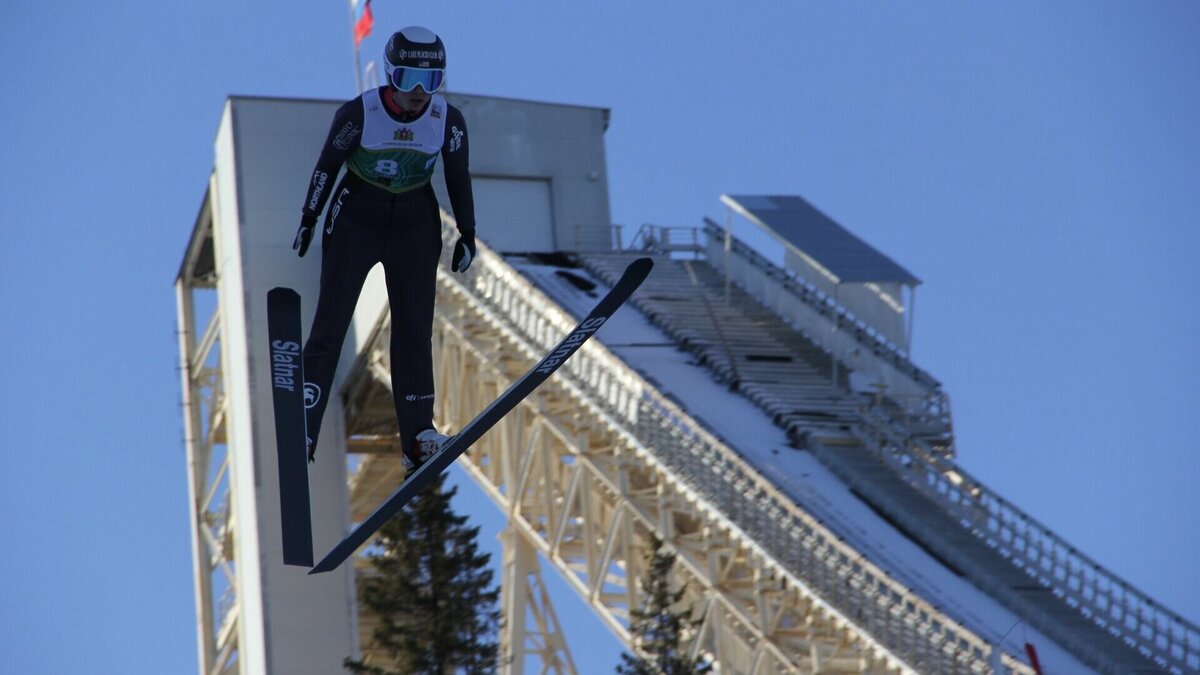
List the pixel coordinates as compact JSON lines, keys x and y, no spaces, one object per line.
{"x":426,"y":444}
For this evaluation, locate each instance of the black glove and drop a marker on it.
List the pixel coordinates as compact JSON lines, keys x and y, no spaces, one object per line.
{"x":464,"y":252}
{"x":304,"y":235}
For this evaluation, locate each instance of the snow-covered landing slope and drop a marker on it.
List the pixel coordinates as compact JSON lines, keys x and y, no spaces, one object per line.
{"x":751,"y":433}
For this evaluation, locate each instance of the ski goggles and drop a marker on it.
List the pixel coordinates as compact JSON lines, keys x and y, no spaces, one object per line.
{"x":406,"y":79}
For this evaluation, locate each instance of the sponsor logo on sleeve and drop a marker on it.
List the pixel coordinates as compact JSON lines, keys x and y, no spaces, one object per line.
{"x":337,"y":208}
{"x":456,"y":136}
{"x":346,"y":135}
{"x":319,"y":179}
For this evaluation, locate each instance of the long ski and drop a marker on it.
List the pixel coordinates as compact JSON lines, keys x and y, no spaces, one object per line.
{"x":287,"y":387}
{"x":633,"y":277}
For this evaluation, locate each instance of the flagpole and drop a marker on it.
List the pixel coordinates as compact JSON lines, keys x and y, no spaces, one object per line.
{"x":358,"y":70}
{"x":354,"y":38}
{"x":361,"y":22}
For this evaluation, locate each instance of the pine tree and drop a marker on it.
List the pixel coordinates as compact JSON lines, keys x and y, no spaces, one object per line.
{"x":658,"y":625}
{"x":432,"y":592}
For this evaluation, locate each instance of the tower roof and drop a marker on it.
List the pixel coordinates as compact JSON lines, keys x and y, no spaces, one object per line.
{"x":804,"y":229}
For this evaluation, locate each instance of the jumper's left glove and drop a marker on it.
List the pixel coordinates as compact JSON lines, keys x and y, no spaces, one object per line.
{"x":304,"y":235}
{"x":464,"y":252}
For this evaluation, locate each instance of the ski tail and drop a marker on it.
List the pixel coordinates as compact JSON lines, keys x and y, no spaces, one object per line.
{"x":630,"y":280}
{"x":287,"y":388}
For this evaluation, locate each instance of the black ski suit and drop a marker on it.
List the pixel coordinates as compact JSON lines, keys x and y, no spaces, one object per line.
{"x":384,"y":211}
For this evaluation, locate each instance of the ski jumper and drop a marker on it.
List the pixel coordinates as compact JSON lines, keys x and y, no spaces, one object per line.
{"x":384,"y":211}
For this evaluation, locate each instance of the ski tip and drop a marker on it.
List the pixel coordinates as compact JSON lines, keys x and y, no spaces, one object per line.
{"x":282,"y":291}
{"x":641,"y":267}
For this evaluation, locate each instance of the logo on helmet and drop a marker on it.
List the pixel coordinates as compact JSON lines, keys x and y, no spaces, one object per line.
{"x":421,"y":55}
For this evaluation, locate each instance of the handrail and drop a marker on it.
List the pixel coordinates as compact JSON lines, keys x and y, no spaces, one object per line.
{"x":651,"y":238}
{"x":935,"y":408}
{"x":1112,"y":603}
{"x":808,"y":553}
{"x":1109,"y":601}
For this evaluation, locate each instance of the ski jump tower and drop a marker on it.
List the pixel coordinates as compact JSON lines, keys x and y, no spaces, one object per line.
{"x":763,"y":420}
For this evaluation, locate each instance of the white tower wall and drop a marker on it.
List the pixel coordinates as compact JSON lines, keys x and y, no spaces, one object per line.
{"x":289,"y":622}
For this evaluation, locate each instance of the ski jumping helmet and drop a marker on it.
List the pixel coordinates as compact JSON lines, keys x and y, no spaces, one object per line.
{"x":415,"y":57}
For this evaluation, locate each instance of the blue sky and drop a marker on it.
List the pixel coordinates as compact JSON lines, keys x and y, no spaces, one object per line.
{"x":1037,"y":166}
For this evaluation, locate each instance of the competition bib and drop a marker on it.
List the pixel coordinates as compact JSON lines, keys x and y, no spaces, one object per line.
{"x":398,"y":156}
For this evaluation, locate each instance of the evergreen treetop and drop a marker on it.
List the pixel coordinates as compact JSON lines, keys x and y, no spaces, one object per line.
{"x":659,"y":625}
{"x":432,"y":592}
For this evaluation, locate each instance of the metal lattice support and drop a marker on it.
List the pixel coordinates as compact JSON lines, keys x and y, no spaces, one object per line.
{"x":596,"y":461}
{"x":586,"y":501}
{"x":525,"y":594}
{"x":210,"y":495}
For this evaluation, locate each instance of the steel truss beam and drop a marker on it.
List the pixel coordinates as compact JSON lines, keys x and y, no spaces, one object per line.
{"x":210,"y":496}
{"x":581,"y":495}
{"x":588,"y":490}
{"x":524,"y":593}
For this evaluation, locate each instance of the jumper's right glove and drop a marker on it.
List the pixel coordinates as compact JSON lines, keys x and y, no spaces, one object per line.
{"x":304,"y":235}
{"x":464,"y":252}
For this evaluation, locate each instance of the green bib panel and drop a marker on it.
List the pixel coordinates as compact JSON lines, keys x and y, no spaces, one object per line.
{"x":398,"y":156}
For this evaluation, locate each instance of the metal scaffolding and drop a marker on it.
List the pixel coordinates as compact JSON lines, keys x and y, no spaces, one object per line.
{"x":595,"y":463}
{"x":206,"y":413}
